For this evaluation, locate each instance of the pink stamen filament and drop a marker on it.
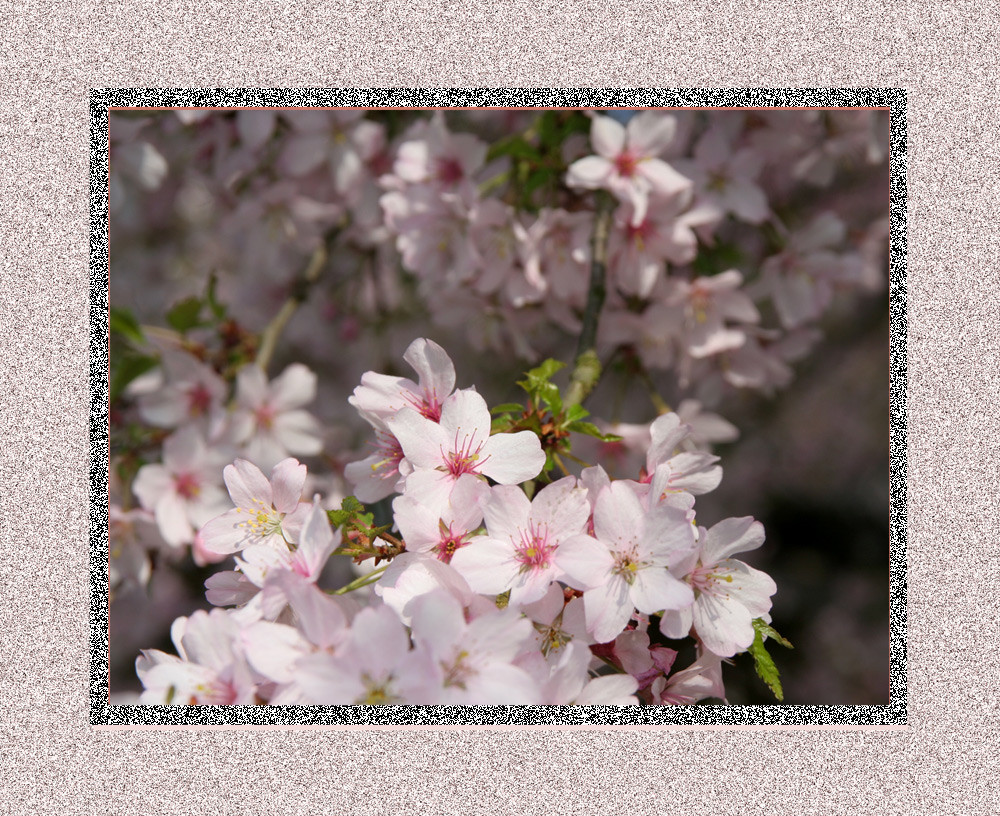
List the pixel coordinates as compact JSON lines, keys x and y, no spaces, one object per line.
{"x":464,"y":456}
{"x":535,"y":551}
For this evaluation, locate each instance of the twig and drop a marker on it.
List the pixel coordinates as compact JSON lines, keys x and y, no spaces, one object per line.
{"x":300,"y":291}
{"x":587,"y":369}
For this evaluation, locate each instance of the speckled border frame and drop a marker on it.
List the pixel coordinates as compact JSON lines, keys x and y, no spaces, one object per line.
{"x":103,"y":713}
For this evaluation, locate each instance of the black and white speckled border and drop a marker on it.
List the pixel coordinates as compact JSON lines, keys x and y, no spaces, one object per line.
{"x":103,"y":713}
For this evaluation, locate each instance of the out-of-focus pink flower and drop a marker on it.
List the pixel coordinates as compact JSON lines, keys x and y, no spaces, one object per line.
{"x":268,"y":422}
{"x":626,"y":163}
{"x":725,"y":177}
{"x":183,"y":493}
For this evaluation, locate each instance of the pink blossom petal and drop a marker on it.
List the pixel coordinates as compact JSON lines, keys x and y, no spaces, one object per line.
{"x":172,"y":519}
{"x":298,"y":432}
{"x":655,"y":589}
{"x":586,"y":562}
{"x":437,"y":621}
{"x":423,"y":442}
{"x":590,"y":173}
{"x":293,"y":388}
{"x":487,"y":564}
{"x":663,"y":179}
{"x":225,"y":534}
{"x":650,"y":133}
{"x":607,"y":136}
{"x":465,"y":416}
{"x":251,"y":386}
{"x":248,"y":486}
{"x":608,"y":609}
{"x":731,"y":536}
{"x":724,"y":627}
{"x":618,"y":517}
{"x":562,"y":507}
{"x":152,"y":482}
{"x":287,"y":480}
{"x":273,"y":648}
{"x":381,"y":640}
{"x":507,"y":512}
{"x":512,"y":458}
{"x":676,"y":623}
{"x":432,"y":363}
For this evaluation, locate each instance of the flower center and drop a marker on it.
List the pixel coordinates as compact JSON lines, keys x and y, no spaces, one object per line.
{"x":464,"y":456}
{"x":534,"y":551}
{"x":392,"y":455}
{"x":199,"y":399}
{"x":458,"y":672}
{"x":709,"y":580}
{"x":264,"y":415}
{"x":449,"y":172}
{"x":450,"y":541}
{"x":428,"y":404}
{"x":187,"y":485}
{"x":627,"y":565}
{"x":378,"y":693}
{"x":263,"y":520}
{"x":626,"y":163}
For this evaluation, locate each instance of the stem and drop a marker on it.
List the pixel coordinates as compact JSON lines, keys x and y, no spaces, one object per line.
{"x":300,"y":291}
{"x":654,"y":396}
{"x":587,"y":369}
{"x":361,"y":581}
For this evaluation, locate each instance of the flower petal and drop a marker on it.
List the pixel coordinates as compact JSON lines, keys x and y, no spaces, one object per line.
{"x":512,"y":458}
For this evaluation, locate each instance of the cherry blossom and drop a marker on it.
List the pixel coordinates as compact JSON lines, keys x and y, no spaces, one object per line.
{"x":268,"y":421}
{"x":626,"y":163}
{"x":627,"y":564}
{"x":182,"y":493}
{"x":267,"y":512}
{"x":440,"y":453}
{"x":729,"y":595}
{"x":518,"y":553}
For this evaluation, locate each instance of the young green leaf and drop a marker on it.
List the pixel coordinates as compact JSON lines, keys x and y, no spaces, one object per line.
{"x":590,"y":429}
{"x":766,"y":670}
{"x":185,"y":315}
{"x":769,"y":631}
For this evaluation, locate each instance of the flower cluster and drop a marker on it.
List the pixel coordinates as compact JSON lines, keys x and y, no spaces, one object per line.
{"x":503,"y":586}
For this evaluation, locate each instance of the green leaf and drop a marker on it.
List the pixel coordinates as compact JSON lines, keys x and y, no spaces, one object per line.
{"x":514,"y":146}
{"x":217,"y":309}
{"x":545,"y":370}
{"x":185,"y":315}
{"x":574,"y":414}
{"x":590,"y":429}
{"x":549,"y":394}
{"x":507,"y":407}
{"x":766,"y":670}
{"x":123,"y":323}
{"x":769,"y":631}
